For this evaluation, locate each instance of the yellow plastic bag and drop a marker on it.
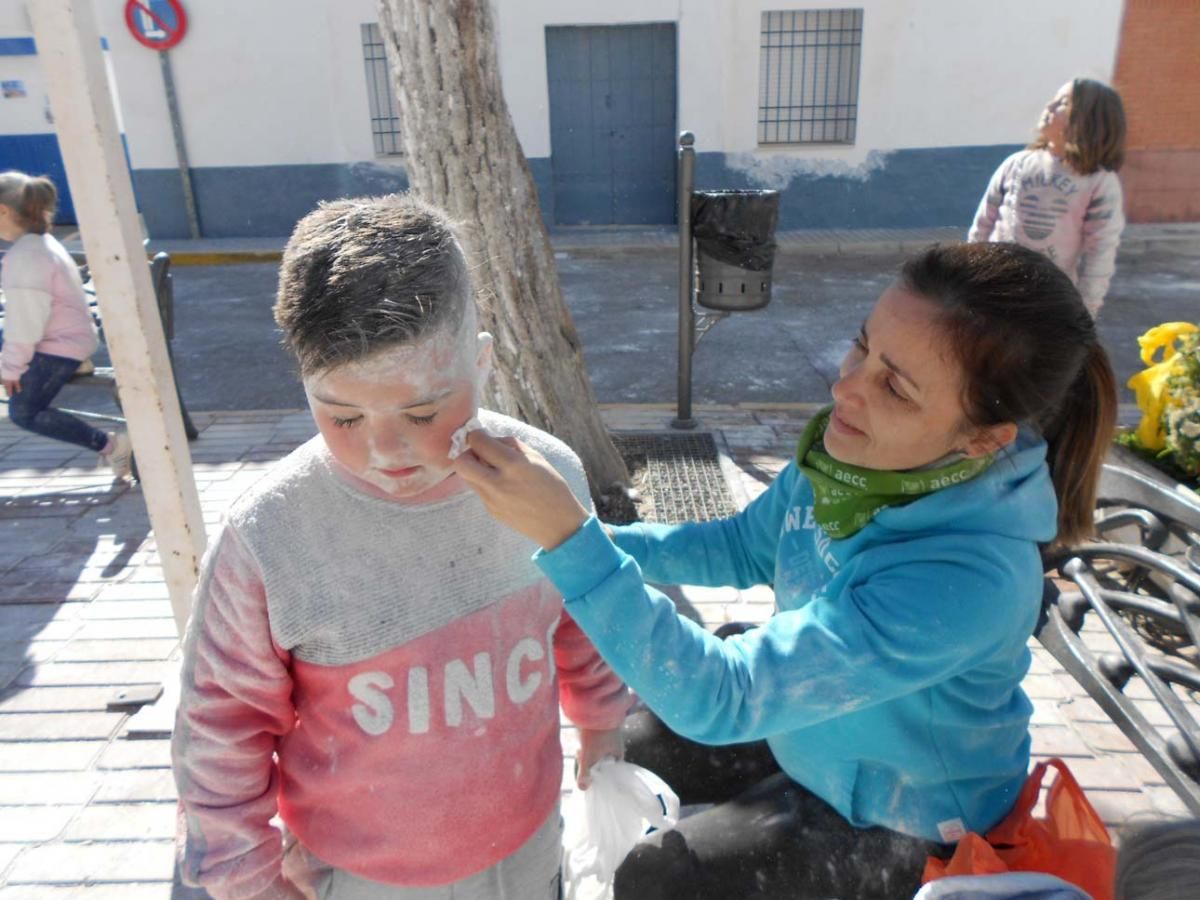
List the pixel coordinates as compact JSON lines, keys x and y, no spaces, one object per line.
{"x":1150,"y":385}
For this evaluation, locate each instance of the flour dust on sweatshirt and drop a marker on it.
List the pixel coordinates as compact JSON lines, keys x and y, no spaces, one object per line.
{"x":384,"y":675}
{"x":1040,"y":202}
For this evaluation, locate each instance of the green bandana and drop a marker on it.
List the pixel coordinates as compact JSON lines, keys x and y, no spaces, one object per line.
{"x":848,"y":497}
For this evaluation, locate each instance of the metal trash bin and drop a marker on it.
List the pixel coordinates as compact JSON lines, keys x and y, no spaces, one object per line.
{"x":735,"y":248}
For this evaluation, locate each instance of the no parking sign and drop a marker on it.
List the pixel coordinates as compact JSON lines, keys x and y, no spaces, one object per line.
{"x":157,"y":24}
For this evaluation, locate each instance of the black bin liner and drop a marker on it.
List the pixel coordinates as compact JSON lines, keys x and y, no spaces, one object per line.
{"x":736,"y":227}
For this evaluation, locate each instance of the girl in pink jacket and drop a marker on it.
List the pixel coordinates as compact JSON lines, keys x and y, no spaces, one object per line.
{"x":1061,"y":195}
{"x":48,"y":329}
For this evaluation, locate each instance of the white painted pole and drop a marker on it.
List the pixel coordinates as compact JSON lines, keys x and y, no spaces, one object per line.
{"x":68,"y":46}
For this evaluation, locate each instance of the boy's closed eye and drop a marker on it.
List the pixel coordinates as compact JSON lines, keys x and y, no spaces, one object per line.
{"x":351,"y":421}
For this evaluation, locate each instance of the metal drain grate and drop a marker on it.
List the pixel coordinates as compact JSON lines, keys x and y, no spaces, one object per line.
{"x":683,"y":479}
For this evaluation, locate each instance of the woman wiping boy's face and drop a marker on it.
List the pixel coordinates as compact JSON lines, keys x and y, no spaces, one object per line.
{"x":389,"y":417}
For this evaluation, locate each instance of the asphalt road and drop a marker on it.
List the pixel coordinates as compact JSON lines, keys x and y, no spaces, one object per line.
{"x":228,"y":355}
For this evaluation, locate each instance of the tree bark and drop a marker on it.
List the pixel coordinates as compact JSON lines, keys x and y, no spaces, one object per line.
{"x":463,"y":155}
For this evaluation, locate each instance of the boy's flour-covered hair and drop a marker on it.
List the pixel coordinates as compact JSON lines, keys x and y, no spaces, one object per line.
{"x":364,"y":274}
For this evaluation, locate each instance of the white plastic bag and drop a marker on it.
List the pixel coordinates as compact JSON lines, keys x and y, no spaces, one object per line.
{"x":602,"y":824}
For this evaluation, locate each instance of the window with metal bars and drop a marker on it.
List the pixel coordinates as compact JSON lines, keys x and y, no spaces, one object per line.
{"x":808,"y":76}
{"x":385,"y":117}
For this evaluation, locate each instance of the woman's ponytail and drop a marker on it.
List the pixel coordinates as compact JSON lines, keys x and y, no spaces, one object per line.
{"x":32,"y":198}
{"x":1078,"y":439}
{"x":38,"y":202}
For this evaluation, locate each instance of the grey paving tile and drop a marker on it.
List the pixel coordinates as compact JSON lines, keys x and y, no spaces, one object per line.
{"x":20,"y":621}
{"x":1057,"y":740}
{"x":29,"y":651}
{"x":48,"y":756}
{"x":46,"y":591}
{"x":102,"y":861}
{"x":140,"y":754}
{"x":1101,"y":774}
{"x":35,"y":788}
{"x":58,"y":726}
{"x":123,"y":821}
{"x":27,"y":824}
{"x":116,"y":629}
{"x":106,"y":673}
{"x":128,"y":609}
{"x":119,"y":891}
{"x":146,"y":573}
{"x":136,"y":786}
{"x":1166,"y":803}
{"x":9,"y":671}
{"x":1104,"y":737}
{"x":9,"y":852}
{"x":148,"y":649}
{"x":56,"y":699}
{"x":134,"y":591}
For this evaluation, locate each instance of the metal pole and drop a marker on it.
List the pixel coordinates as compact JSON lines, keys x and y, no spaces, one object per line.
{"x":185,"y":168}
{"x":687,"y":178}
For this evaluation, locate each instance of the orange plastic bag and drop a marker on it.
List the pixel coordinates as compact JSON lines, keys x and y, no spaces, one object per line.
{"x":1070,"y":841}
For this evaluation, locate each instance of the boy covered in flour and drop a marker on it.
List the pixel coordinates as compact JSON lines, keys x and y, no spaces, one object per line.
{"x":371,"y":656}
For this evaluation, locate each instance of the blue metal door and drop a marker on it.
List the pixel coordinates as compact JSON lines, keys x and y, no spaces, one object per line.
{"x":612,"y":123}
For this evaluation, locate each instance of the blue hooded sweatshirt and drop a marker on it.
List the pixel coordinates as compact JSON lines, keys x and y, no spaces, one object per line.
{"x":888,"y":680}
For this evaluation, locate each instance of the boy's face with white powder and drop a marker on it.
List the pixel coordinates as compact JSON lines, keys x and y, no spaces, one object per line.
{"x":389,"y":417}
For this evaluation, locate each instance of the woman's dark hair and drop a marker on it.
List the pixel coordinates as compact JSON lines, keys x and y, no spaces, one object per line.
{"x":1160,"y":861}
{"x":364,"y":274}
{"x":1095,"y":137}
{"x":1030,"y":355}
{"x":32,"y":197}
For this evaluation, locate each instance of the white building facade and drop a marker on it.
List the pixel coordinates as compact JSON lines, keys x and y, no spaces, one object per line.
{"x":872,"y":114}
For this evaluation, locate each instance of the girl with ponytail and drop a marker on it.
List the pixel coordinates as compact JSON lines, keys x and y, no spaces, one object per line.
{"x":878,"y":715}
{"x":48,"y":329}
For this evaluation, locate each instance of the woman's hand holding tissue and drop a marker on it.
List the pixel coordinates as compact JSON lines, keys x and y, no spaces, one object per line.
{"x":520,"y":488}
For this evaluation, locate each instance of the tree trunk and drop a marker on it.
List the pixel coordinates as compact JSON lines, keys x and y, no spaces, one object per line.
{"x":462,"y":154}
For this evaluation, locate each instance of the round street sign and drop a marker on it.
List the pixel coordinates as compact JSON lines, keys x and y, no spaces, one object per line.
{"x":157,"y":24}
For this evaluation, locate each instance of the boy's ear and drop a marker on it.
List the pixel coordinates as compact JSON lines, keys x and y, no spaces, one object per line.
{"x":483,"y":355}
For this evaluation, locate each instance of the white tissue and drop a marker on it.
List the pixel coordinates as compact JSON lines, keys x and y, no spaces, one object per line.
{"x":458,"y":440}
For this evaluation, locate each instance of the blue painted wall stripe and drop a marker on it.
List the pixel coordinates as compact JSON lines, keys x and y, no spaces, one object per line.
{"x":254,"y":201}
{"x":27,"y":46}
{"x":38,"y":154}
{"x":916,"y":188}
{"x":907,"y":189}
{"x":18,"y":46}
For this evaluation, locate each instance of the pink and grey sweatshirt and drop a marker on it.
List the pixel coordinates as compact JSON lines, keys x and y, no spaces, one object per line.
{"x":386,"y":676}
{"x":45,"y":307}
{"x":1039,"y":201}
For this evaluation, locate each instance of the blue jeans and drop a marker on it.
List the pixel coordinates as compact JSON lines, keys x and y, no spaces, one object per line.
{"x":30,"y":407}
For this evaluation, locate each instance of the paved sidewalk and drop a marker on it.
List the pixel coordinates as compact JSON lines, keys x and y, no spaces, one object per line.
{"x":85,"y":811}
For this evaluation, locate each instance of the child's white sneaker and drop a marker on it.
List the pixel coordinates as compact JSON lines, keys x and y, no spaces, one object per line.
{"x":120,"y":457}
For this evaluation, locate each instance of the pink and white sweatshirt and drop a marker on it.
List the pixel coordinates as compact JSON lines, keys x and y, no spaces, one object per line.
{"x":1039,"y":201}
{"x":384,"y":675}
{"x":45,"y":307}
